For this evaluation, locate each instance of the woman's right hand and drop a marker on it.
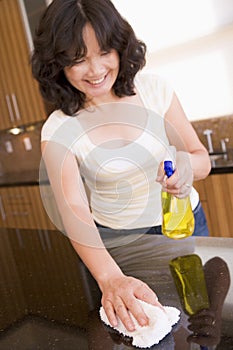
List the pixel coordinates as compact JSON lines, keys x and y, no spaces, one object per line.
{"x":120,"y":295}
{"x":180,"y":183}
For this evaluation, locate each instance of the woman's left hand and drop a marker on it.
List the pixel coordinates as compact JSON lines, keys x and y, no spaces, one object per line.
{"x":180,"y":183}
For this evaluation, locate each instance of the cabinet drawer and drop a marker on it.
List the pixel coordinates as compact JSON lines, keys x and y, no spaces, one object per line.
{"x":200,"y":187}
{"x":19,"y":215}
{"x":21,"y":207}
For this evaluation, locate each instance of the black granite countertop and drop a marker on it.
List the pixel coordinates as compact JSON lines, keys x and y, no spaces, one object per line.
{"x":49,"y":301}
{"x":24,"y":178}
{"x":222,"y":163}
{"x":221,"y":169}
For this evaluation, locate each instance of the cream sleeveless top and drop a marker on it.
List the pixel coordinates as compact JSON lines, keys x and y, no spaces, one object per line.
{"x":121,"y":181}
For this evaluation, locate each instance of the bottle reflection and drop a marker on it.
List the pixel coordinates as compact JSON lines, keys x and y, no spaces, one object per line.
{"x":202,"y":291}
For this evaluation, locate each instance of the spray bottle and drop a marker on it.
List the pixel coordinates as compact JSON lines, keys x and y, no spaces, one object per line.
{"x":178,"y":220}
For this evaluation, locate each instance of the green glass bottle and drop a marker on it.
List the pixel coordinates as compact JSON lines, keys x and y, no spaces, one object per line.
{"x":178,"y":220}
{"x":188,"y":275}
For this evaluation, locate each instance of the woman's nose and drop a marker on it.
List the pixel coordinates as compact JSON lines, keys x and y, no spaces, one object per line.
{"x":95,"y":66}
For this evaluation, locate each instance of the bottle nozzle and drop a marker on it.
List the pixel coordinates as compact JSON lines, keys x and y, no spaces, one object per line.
{"x":168,"y":168}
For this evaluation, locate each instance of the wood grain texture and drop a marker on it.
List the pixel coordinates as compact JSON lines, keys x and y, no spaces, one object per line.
{"x":216,"y":195}
{"x":16,"y":77}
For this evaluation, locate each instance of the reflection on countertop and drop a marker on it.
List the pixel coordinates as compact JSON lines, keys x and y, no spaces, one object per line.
{"x":50,"y":301}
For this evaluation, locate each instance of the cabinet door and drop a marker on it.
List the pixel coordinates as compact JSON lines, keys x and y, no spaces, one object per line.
{"x":19,"y":91}
{"x":40,"y":216}
{"x":219,"y":188}
{"x":21,"y":207}
{"x":201,"y":189}
{"x":8,"y":118}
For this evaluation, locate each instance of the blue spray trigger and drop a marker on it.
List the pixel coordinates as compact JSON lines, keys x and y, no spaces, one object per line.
{"x":168,"y":168}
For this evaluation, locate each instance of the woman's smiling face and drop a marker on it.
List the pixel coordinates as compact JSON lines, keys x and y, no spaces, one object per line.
{"x":96,"y":72}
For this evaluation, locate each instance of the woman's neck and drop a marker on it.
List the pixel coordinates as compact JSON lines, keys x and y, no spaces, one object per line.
{"x":112,"y":98}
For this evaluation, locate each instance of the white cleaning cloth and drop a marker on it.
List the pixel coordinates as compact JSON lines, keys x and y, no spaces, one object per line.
{"x":160,"y":324}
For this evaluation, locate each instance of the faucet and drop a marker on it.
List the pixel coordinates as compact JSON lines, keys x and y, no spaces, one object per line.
{"x":208,"y":133}
{"x":224,"y":147}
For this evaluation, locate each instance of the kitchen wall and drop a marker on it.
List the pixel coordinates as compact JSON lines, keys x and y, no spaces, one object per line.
{"x":201,"y":73}
{"x":190,"y":44}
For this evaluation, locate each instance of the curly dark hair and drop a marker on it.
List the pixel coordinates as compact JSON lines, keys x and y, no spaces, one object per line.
{"x":58,"y":43}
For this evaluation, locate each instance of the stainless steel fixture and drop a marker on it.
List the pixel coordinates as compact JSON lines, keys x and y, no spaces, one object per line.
{"x":224,"y":147}
{"x":208,"y":133}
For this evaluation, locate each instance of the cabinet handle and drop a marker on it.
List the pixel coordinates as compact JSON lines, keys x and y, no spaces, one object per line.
{"x":10,"y":110}
{"x":15,"y":196}
{"x":18,"y":213}
{"x":2,"y":211}
{"x":16,"y":107}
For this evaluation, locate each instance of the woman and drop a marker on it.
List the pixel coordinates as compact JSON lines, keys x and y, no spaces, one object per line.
{"x":110,"y":130}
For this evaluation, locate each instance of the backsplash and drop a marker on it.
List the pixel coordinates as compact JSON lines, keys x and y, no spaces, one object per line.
{"x":18,"y":159}
{"x":20,"y":153}
{"x":222,"y":129}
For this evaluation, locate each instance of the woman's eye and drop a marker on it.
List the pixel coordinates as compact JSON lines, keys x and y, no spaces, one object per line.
{"x":77,"y":62}
{"x":103,"y":53}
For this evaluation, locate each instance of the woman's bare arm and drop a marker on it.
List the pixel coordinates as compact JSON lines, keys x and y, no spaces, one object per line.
{"x":119,"y":292}
{"x":182,"y":135}
{"x":192,"y":159}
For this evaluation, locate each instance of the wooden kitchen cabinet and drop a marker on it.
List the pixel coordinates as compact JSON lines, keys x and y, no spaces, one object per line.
{"x":216,"y":195}
{"x":20,"y":99}
{"x":21,"y":207}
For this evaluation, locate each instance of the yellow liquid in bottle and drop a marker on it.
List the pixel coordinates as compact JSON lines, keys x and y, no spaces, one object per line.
{"x":178,"y":220}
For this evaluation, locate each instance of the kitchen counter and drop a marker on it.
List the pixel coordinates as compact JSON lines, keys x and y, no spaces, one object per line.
{"x":32,"y":177}
{"x":222,"y":169}
{"x":222,"y":163}
{"x":24,"y":178}
{"x":49,"y":301}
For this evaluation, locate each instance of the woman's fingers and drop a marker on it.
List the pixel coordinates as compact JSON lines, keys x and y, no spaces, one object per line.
{"x":179,"y":186}
{"x":118,"y":309}
{"x":148,"y":295}
{"x":123,"y":301}
{"x":160,"y":173}
{"x":110,"y":312}
{"x":180,"y":183}
{"x":123,"y":314}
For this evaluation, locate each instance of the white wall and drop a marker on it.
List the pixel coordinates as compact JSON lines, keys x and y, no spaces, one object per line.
{"x":201,"y":72}
{"x":191,"y":44}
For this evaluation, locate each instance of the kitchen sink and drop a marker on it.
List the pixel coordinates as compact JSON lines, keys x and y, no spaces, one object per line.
{"x":221,"y":160}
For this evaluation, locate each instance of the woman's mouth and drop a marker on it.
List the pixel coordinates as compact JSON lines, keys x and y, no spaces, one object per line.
{"x":96,"y":81}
